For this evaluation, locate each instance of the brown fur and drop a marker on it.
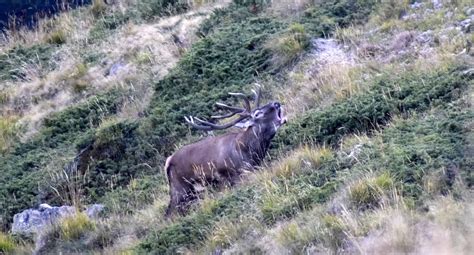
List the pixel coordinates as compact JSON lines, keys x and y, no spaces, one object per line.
{"x":219,"y":160}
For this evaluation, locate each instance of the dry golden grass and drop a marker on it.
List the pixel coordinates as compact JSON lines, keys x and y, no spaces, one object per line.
{"x":9,"y":132}
{"x":75,"y":226}
{"x":139,"y":53}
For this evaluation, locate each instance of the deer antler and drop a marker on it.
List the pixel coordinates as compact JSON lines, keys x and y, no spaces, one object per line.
{"x":243,"y":113}
{"x":257,"y":94}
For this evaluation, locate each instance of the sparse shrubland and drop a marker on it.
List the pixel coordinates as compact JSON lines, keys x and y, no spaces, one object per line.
{"x":377,"y":151}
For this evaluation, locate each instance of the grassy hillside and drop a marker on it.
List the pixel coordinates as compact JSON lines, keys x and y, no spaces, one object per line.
{"x":377,"y":151}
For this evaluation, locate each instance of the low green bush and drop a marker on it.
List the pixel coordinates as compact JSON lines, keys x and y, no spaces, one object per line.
{"x":150,"y":9}
{"x":15,"y":62}
{"x":22,"y":167}
{"x":322,"y":19}
{"x":367,"y":111}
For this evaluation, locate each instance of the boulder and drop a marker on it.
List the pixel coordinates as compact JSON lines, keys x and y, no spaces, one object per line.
{"x":34,"y":221}
{"x":93,"y":211}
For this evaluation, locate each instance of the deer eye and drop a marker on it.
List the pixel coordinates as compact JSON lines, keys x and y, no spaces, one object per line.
{"x":257,"y":114}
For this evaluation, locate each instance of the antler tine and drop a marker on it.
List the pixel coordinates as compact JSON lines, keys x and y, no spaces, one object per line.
{"x":231,"y":108}
{"x":206,"y":125}
{"x":257,"y":94}
{"x":245,"y":98}
{"x":243,"y":114}
{"x":191,"y":122}
{"x":225,"y":116}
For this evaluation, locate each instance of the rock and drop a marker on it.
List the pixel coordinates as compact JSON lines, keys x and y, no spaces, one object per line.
{"x":470,"y":11}
{"x":93,"y":211}
{"x":437,"y":4}
{"x":466,"y":25}
{"x":116,"y":68}
{"x":32,"y":221}
{"x":416,"y":5}
{"x":424,"y":37}
{"x":468,"y":73}
{"x":449,"y":15}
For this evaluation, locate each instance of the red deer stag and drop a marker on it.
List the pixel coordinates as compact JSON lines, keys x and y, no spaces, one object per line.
{"x":220,"y":160}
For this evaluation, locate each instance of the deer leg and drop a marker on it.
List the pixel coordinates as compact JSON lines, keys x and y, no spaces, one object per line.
{"x":182,"y":194}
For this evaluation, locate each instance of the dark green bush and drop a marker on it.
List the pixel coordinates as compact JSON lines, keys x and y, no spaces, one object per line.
{"x":106,"y":24}
{"x":21,"y":169}
{"x":14,"y":63}
{"x":150,"y":9}
{"x":318,"y":184}
{"x":322,"y":19}
{"x":194,"y":228}
{"x":367,"y":111}
{"x":422,"y":145}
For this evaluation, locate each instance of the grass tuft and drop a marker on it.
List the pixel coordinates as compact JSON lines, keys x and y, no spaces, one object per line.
{"x":76,"y":226}
{"x":287,"y":47}
{"x":98,"y":8}
{"x":9,"y":131}
{"x":369,"y":192}
{"x":7,"y":245}
{"x":58,"y":36}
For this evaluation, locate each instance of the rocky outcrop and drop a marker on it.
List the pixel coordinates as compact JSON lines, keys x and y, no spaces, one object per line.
{"x":33,"y":221}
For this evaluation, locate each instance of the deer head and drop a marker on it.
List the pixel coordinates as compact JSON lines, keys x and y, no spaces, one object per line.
{"x":269,"y":114}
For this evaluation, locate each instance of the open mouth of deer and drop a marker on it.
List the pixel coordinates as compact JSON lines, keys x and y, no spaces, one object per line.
{"x":281,"y":117}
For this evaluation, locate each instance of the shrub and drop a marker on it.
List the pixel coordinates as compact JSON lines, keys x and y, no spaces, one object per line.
{"x":74,"y":227}
{"x":364,"y":112}
{"x":150,"y":9}
{"x":61,"y":132}
{"x":392,"y":9}
{"x":322,"y":19}
{"x":107,"y":23}
{"x":14,"y":63}
{"x":139,"y":193}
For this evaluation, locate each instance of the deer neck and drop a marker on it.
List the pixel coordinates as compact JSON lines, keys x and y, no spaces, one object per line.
{"x":254,"y":142}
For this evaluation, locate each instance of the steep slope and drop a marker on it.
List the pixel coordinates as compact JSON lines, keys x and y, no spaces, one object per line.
{"x":376,"y":155}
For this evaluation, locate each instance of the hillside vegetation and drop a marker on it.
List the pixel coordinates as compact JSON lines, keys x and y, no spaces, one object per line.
{"x":376,"y":156}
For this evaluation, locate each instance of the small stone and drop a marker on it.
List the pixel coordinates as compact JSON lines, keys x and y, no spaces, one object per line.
{"x":93,"y":211}
{"x":416,"y":5}
{"x":470,"y":11}
{"x":437,"y":4}
{"x":466,"y":25}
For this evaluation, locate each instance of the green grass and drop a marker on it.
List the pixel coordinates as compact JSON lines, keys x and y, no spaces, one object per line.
{"x":367,"y":111}
{"x":21,"y":168}
{"x":6,"y":244}
{"x":229,"y":57}
{"x":369,"y":192}
{"x":314,"y":185}
{"x":16,"y":62}
{"x":75,"y":226}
